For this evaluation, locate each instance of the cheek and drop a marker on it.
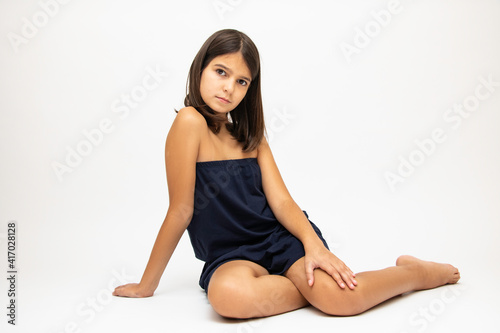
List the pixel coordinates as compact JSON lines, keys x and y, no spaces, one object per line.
{"x":242,"y":93}
{"x":204,"y":85}
{"x":208,"y":82}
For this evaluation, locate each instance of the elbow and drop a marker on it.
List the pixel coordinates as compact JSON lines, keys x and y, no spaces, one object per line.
{"x":286,"y":204}
{"x":183,"y":213}
{"x":283,"y":207}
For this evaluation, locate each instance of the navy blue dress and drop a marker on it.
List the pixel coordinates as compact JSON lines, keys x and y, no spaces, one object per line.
{"x":233,"y":221}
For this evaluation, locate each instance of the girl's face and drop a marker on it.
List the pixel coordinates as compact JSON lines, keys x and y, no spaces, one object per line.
{"x":224,"y":82}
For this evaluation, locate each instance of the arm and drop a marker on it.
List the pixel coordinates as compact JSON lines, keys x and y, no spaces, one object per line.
{"x":181,"y":152}
{"x":293,"y":219}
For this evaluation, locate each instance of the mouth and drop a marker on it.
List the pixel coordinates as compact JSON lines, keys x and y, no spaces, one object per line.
{"x":223,"y":100}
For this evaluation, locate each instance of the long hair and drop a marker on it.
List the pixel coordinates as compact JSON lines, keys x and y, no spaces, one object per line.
{"x":247,"y":119}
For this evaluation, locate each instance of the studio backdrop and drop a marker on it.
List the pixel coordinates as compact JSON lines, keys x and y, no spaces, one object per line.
{"x":383,"y":117}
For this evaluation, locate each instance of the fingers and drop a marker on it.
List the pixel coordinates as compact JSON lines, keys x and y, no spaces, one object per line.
{"x":337,"y":277}
{"x":132,"y":290}
{"x":310,"y":274}
{"x":124,"y":290}
{"x":349,"y":280}
{"x":345,"y":277}
{"x":118,"y":291}
{"x":342,"y":275}
{"x":332,"y":265}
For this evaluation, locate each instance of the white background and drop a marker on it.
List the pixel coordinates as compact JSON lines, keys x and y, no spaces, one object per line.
{"x":337,"y":124}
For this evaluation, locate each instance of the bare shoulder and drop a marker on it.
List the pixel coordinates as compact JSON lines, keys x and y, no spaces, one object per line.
{"x":188,"y":116}
{"x":263,"y":147}
{"x":187,"y":129}
{"x":264,"y":155}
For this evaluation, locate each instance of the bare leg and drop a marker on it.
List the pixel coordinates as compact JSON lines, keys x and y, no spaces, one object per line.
{"x":243,"y":289}
{"x":373,"y":287}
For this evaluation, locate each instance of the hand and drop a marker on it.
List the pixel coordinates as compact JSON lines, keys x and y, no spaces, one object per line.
{"x":321,"y":257}
{"x":131,"y":290}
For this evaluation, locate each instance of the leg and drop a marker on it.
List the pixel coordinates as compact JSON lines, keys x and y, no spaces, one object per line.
{"x":243,"y":289}
{"x":373,"y":287}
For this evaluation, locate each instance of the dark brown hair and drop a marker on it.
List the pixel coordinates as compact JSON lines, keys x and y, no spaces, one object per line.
{"x":247,"y":119}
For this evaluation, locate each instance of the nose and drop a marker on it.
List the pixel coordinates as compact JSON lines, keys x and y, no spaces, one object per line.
{"x":229,"y":86}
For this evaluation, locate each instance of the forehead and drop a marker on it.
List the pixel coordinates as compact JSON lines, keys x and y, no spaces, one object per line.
{"x":235,"y":62}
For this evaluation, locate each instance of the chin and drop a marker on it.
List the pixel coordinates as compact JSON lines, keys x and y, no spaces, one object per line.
{"x":221,"y":110}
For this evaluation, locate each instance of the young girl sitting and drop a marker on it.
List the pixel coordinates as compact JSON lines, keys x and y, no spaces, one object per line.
{"x":225,"y":189}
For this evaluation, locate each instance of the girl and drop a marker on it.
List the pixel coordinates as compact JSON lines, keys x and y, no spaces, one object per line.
{"x":262,"y":255}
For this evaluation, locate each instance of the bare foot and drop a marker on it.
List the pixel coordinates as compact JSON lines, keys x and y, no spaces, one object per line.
{"x":433,"y":274}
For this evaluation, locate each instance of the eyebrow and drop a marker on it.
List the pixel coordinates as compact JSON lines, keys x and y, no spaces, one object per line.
{"x":229,"y":70}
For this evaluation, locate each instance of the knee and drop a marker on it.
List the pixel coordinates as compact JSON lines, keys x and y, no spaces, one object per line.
{"x":229,"y":299}
{"x":341,"y":303}
{"x":334,"y":308}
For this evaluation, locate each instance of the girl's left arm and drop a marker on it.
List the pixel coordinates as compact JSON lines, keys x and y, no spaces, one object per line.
{"x":294,"y":220}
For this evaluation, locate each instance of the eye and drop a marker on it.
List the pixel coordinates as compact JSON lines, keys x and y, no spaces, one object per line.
{"x":243,"y":82}
{"x":220,"y":71}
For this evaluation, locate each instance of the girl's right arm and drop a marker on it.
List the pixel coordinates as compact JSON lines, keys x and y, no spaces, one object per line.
{"x":181,"y":153}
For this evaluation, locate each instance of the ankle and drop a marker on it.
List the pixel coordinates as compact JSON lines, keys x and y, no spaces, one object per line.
{"x":416,"y":276}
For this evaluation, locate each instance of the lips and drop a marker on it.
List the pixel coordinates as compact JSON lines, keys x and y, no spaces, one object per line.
{"x":223,"y":100}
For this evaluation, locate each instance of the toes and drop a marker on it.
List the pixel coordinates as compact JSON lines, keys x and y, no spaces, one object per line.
{"x":455,"y":277}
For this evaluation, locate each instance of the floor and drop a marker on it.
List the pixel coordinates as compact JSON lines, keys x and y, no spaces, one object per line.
{"x":61,"y":299}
